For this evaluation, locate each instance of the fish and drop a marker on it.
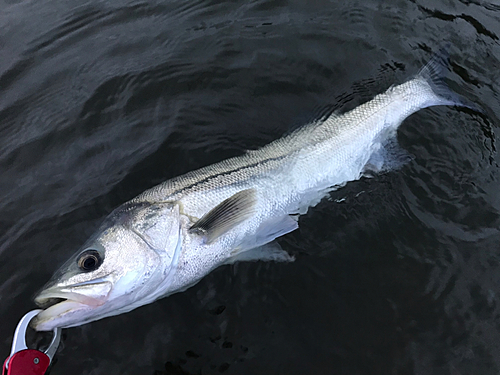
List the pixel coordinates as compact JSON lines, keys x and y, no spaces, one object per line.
{"x":169,"y":237}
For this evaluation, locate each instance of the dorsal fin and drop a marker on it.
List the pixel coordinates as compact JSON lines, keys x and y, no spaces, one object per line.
{"x":226,"y":215}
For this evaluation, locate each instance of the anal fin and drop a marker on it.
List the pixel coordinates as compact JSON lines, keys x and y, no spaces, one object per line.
{"x":387,"y":157}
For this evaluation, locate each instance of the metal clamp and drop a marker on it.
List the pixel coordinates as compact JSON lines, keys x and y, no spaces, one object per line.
{"x":19,"y":342}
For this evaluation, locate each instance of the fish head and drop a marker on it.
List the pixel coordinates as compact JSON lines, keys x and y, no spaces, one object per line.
{"x":126,"y":264}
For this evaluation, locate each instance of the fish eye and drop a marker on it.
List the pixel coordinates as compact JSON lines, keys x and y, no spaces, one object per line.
{"x":89,"y":260}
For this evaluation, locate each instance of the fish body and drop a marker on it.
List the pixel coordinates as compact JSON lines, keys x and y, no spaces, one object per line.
{"x":172,"y":235}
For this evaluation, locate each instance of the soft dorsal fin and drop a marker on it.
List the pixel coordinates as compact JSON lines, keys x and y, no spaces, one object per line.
{"x":226,"y":215}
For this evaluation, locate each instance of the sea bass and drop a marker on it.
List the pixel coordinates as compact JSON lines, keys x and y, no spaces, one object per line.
{"x":172,"y":235}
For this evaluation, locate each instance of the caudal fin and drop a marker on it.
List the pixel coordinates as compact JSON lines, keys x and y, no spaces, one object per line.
{"x":434,"y":73}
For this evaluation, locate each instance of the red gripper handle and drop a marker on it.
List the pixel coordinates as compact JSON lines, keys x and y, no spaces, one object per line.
{"x":27,"y":362}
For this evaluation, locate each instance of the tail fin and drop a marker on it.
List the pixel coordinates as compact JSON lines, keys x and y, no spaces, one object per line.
{"x":434,"y":73}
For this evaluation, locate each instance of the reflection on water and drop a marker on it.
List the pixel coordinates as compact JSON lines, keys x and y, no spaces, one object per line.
{"x":393,"y":274}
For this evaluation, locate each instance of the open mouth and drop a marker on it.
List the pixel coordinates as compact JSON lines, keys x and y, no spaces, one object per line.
{"x":48,"y":302}
{"x":66,"y":306}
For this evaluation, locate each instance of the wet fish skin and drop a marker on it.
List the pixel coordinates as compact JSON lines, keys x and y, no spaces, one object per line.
{"x":169,"y":237}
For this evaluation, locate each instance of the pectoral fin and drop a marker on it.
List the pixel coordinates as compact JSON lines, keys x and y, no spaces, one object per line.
{"x":226,"y":215}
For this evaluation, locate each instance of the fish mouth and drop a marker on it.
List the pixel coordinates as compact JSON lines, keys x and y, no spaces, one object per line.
{"x":64,"y":307}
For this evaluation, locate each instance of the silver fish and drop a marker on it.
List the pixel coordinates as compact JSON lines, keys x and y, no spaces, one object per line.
{"x":172,"y":235}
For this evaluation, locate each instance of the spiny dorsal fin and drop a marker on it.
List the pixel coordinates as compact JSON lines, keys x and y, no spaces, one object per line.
{"x":226,"y":215}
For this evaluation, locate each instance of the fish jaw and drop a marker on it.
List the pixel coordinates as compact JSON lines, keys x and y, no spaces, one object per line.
{"x":59,"y":315}
{"x":78,"y":302}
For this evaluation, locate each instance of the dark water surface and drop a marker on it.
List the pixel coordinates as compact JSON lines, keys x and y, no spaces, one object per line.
{"x":397,"y":274}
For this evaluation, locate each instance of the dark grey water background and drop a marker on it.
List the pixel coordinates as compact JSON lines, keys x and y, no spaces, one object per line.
{"x":398,"y":274}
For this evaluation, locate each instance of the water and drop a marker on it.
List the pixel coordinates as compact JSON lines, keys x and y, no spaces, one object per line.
{"x":396,"y":274}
